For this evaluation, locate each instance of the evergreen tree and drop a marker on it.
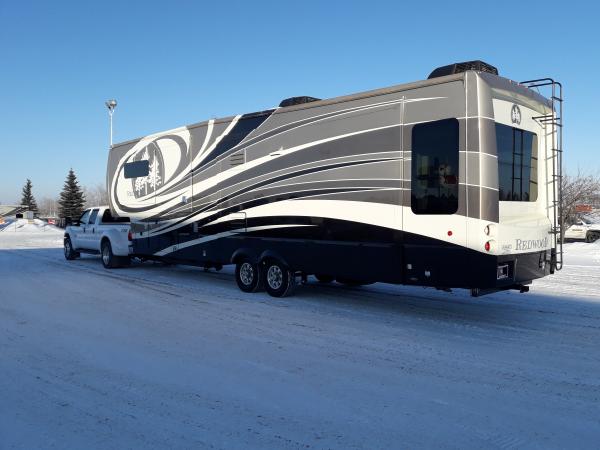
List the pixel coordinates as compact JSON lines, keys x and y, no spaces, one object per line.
{"x":28,"y":200}
{"x":72,"y":199}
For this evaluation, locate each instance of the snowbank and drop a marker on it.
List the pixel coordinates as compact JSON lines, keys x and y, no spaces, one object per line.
{"x":22,"y":234}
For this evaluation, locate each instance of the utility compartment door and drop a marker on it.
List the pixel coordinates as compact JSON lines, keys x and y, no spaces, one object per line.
{"x":434,"y":194}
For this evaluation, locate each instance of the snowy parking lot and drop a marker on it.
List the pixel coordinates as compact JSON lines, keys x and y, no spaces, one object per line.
{"x":172,"y":357}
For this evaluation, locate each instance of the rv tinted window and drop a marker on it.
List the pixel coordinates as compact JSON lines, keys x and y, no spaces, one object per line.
{"x":434,"y":179}
{"x":517,"y":164}
{"x":137,"y":169}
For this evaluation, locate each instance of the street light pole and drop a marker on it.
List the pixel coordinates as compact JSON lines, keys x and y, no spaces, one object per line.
{"x":111,"y":105}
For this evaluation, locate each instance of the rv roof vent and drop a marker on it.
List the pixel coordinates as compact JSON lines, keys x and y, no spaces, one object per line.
{"x":297,"y":101}
{"x":478,"y":65}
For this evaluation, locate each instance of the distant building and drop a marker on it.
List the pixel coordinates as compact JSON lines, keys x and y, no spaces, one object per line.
{"x":11,"y":210}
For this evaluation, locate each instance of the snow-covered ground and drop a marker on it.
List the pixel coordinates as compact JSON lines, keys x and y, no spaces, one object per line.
{"x":172,"y":357}
{"x":22,"y":233}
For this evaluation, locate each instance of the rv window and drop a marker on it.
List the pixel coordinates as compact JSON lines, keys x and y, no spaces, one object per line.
{"x":137,"y":169}
{"x":517,"y":164}
{"x":434,"y":179}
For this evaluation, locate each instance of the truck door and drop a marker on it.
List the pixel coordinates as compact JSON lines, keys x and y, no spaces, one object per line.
{"x":78,"y":233}
{"x":92,"y":231}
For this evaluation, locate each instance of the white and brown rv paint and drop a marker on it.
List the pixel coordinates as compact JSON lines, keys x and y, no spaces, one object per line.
{"x":329,"y":185}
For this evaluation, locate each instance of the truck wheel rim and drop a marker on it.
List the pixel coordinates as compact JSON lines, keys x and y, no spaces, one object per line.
{"x":105,"y":255}
{"x":67,"y":248}
{"x":246,"y":274}
{"x":274,"y":277}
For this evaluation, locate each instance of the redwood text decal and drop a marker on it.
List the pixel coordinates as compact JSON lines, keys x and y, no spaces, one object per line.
{"x":531,"y":244}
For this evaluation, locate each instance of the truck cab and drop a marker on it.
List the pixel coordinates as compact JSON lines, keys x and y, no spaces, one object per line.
{"x":98,"y":232}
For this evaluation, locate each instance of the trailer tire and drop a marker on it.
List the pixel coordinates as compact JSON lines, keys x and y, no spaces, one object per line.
{"x":248,"y":276}
{"x":70,"y":253}
{"x":322,"y":278}
{"x":109,"y":260}
{"x":279,"y":280}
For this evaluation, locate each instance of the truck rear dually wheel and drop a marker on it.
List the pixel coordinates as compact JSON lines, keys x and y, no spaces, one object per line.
{"x":109,"y":260}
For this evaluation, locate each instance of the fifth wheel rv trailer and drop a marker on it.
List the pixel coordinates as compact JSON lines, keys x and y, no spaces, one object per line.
{"x":449,"y":182}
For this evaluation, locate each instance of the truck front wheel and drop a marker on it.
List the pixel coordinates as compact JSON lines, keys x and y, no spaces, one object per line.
{"x":70,"y":253}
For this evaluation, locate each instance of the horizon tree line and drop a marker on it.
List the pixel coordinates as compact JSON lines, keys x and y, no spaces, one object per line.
{"x":73,"y":198}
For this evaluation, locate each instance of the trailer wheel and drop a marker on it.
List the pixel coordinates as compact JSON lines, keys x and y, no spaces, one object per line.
{"x":248,"y":276}
{"x":324,"y":278}
{"x":278,"y":279}
{"x":109,"y":260}
{"x":70,"y":253}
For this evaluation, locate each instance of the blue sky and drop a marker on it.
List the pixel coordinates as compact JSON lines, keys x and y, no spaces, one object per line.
{"x":173,"y":63}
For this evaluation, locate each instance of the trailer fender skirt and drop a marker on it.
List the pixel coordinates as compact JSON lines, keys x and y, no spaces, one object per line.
{"x":244,"y":253}
{"x":270,"y":254}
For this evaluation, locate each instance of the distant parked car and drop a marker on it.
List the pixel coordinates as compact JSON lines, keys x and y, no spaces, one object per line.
{"x":583,"y":230}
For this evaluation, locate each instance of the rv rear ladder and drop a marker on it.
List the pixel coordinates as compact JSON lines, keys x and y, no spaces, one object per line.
{"x":554,"y":120}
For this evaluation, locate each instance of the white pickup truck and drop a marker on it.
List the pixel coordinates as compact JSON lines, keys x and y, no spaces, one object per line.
{"x":582,"y":229}
{"x":98,"y":232}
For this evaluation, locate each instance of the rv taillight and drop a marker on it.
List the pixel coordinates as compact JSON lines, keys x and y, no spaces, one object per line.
{"x":130,"y":236}
{"x":487,"y":246}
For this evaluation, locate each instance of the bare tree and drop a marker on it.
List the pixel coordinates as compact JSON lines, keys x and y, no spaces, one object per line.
{"x":48,"y":207}
{"x":578,"y":189}
{"x":95,"y":195}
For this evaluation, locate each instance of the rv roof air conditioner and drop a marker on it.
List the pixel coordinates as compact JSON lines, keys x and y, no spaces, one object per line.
{"x":297,"y":101}
{"x":451,"y":69}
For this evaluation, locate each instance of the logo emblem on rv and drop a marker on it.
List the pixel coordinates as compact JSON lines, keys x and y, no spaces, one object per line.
{"x":515,"y":114}
{"x":145,"y":185}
